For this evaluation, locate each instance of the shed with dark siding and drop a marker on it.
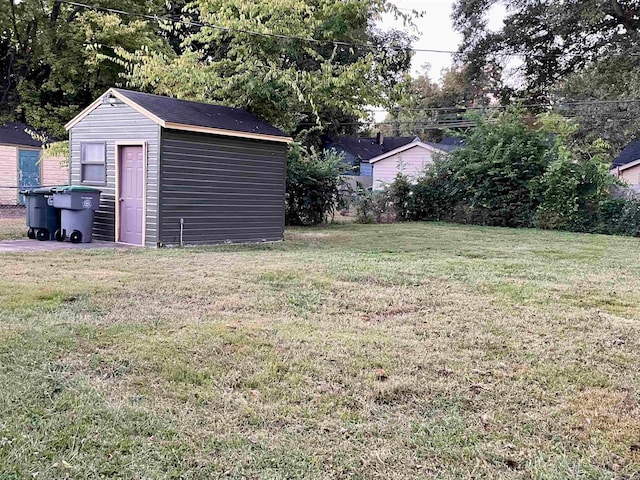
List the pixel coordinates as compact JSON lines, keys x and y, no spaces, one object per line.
{"x":174,"y":171}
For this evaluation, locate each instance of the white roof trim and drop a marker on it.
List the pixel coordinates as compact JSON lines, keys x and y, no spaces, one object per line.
{"x":628,"y":165}
{"x":408,"y":146}
{"x":176,"y":126}
{"x":120,"y":97}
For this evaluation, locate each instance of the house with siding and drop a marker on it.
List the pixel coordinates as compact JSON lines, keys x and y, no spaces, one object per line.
{"x":410,"y":160}
{"x":358,"y":151}
{"x":627,"y":165}
{"x":23,"y":164}
{"x":176,"y":172}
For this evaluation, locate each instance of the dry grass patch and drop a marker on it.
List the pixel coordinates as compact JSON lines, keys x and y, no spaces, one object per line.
{"x":394,"y":351}
{"x":12,"y":225}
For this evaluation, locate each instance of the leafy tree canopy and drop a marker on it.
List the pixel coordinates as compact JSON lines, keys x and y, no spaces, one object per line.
{"x":552,"y":38}
{"x":293,"y":83}
{"x":426,"y":105}
{"x":54,"y":56}
{"x":571,"y":50}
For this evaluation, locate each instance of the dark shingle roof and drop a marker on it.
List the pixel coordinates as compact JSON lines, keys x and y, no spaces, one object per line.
{"x":448,"y":144}
{"x":629,"y":154}
{"x":173,"y":110}
{"x":14,"y":133}
{"x":367,"y":148}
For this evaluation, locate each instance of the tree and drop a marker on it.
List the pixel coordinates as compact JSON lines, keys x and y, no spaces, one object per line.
{"x":552,"y":39}
{"x":599,"y":92}
{"x":283,"y":78}
{"x":54,"y":56}
{"x":574,"y":50}
{"x":313,"y":182}
{"x":425,"y":104}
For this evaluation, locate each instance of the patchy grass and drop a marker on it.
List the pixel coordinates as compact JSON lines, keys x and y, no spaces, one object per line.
{"x":382,"y":351}
{"x":12,"y":227}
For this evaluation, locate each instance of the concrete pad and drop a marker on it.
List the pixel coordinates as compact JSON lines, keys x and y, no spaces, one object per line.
{"x":26,"y":245}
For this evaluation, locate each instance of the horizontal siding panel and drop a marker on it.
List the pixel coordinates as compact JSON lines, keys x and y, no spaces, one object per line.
{"x":225,"y":189}
{"x":183,"y":191}
{"x":194,"y":171}
{"x":203,"y":237}
{"x":227,"y":203}
{"x":231,"y":145}
{"x":226,"y":159}
{"x":212,"y":221}
{"x":111,"y":124}
{"x":199,"y":230}
{"x":210,"y":184}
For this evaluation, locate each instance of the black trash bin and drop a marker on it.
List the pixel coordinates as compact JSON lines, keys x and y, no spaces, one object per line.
{"x":43,"y":219}
{"x":77,"y":205}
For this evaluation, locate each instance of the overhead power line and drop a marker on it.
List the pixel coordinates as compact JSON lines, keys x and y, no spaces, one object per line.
{"x":455,"y":109}
{"x":163,"y":18}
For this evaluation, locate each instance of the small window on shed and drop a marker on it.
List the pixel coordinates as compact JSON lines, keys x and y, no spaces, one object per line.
{"x":92,"y":163}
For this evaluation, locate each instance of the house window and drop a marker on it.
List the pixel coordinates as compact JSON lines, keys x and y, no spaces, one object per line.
{"x":92,"y":163}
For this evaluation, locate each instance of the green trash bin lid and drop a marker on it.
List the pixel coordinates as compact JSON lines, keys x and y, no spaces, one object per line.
{"x":75,"y":188}
{"x":37,"y":191}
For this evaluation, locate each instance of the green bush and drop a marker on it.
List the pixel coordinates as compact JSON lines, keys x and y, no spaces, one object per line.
{"x":494,"y":174}
{"x":619,"y":216}
{"x":399,"y":198}
{"x":375,"y":207}
{"x":432,"y":198}
{"x":313,"y":182}
{"x":575,"y":188}
{"x":514,"y":172}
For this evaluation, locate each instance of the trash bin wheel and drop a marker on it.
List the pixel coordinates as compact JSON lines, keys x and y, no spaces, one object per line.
{"x":31,"y":233}
{"x":59,"y":236}
{"x":42,"y":234}
{"x":76,"y":236}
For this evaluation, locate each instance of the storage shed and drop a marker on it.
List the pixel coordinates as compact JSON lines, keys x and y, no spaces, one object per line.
{"x":179,"y":172}
{"x":23,"y":165}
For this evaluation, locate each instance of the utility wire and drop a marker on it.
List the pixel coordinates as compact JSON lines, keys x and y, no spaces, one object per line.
{"x":453,"y":109}
{"x":454,"y":123}
{"x":157,"y":18}
{"x":502,"y":107}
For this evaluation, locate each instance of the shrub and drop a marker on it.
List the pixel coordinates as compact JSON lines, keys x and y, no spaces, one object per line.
{"x":313,"y":182}
{"x":399,"y":198}
{"x":574,"y":188}
{"x":494,"y":173}
{"x":374,"y":207}
{"x":510,"y":173}
{"x":619,"y":216}
{"x":433,"y":198}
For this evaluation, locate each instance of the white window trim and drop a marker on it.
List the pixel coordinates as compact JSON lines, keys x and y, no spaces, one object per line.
{"x":93,"y":162}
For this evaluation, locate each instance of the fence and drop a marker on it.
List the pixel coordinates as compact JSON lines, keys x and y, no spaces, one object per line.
{"x":12,"y":213}
{"x":12,"y":222}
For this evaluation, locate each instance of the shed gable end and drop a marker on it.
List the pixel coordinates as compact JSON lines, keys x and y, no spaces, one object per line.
{"x":116,"y":125}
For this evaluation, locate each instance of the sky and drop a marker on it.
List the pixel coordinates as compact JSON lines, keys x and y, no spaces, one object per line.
{"x":436,"y":32}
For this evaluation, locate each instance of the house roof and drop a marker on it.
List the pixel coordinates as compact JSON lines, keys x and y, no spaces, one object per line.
{"x":449,"y":144}
{"x":366,"y":148}
{"x":432,"y":147}
{"x":14,"y":133}
{"x":200,"y":117}
{"x":629,"y":154}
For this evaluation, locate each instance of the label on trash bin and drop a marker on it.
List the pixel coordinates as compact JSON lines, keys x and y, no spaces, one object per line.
{"x":87,"y":202}
{"x":50,"y":201}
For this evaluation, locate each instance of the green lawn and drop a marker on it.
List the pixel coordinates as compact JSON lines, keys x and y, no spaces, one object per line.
{"x":356,"y":351}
